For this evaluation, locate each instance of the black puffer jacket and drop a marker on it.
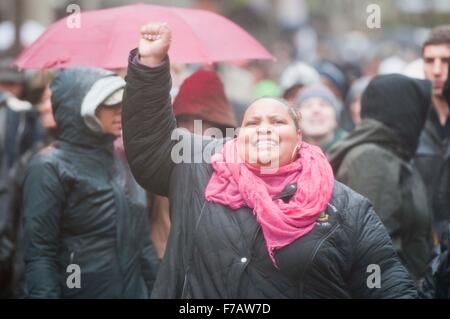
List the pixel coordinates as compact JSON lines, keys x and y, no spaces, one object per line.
{"x":215,"y":252}
{"x":77,"y":210}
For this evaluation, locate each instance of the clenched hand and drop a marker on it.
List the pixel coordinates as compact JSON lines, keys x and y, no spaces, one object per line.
{"x":154,"y":43}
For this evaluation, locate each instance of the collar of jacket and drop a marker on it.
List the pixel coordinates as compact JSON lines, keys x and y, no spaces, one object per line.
{"x":387,"y":139}
{"x":430,"y":128}
{"x":369,"y":131}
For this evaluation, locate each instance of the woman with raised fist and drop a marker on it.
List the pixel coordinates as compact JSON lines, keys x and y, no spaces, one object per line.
{"x":260,"y":217}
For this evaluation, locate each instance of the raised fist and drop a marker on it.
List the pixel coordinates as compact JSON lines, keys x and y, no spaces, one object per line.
{"x":154,"y":43}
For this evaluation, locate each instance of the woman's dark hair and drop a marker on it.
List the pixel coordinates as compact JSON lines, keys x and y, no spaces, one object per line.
{"x":296,"y":117}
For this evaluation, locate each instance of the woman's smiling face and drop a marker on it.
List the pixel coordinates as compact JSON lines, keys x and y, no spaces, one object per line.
{"x":268,"y":135}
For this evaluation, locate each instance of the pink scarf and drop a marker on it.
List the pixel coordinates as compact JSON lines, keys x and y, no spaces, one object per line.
{"x":236,"y":184}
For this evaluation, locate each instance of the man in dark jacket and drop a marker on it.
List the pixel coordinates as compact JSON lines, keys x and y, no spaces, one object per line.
{"x":436,"y":284}
{"x":84,"y":236}
{"x":433,"y":154}
{"x":374,"y":160}
{"x":214,"y":251}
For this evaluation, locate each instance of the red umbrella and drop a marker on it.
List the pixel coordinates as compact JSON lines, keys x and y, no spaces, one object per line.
{"x":105,"y":38}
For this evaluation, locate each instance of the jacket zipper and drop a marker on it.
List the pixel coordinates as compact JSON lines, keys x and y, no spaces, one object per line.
{"x":191,"y":255}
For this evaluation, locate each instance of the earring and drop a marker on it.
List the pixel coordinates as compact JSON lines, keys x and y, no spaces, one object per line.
{"x":295,"y":153}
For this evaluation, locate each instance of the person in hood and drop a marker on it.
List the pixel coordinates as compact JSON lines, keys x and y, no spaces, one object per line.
{"x":84,"y":236}
{"x":260,"y":216}
{"x":375,"y":160}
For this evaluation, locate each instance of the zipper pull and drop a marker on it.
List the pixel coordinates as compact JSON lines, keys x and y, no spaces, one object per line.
{"x":323,"y":217}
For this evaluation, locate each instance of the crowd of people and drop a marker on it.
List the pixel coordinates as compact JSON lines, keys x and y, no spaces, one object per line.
{"x":322,"y":178}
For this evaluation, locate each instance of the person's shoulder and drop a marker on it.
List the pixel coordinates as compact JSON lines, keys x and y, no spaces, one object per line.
{"x":344,"y":197}
{"x":370,"y":151}
{"x":349,"y":204}
{"x":373,"y":157}
{"x":429,"y":142}
{"x":46,"y":158}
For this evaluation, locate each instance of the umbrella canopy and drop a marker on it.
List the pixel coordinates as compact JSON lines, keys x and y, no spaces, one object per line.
{"x":105,"y":38}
